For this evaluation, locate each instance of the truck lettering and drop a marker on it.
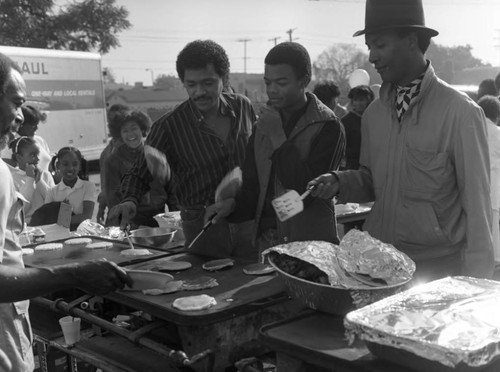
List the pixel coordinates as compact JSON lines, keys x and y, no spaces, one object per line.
{"x":34,"y":68}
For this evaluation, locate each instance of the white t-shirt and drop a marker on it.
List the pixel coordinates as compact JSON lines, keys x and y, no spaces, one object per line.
{"x":75,"y":196}
{"x":34,"y":193}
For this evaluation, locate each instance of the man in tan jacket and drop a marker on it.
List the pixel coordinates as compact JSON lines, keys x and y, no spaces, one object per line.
{"x":424,"y":154}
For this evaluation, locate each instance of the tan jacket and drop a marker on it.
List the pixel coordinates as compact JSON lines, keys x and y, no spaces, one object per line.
{"x":428,"y":176}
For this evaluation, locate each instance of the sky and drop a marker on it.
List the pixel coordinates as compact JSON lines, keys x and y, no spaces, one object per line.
{"x":161,"y":28}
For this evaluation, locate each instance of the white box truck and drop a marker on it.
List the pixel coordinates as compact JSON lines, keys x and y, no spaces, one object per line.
{"x":69,"y":88}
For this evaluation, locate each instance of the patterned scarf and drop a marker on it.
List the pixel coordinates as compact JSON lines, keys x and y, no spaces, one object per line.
{"x":405,"y":94}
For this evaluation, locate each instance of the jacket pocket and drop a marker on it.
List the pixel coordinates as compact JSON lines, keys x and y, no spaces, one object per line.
{"x":418,"y":226}
{"x":428,"y":171}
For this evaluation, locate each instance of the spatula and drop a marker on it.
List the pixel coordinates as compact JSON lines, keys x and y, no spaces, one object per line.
{"x":290,"y":203}
{"x":227,"y":188}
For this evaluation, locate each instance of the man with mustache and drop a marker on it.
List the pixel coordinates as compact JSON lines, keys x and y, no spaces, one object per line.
{"x":203,"y":139}
{"x":17,"y":283}
{"x":424,"y":154}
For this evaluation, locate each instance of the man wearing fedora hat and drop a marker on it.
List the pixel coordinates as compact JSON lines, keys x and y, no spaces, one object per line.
{"x":424,"y":154}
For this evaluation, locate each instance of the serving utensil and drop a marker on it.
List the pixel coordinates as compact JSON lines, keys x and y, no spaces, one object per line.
{"x":290,"y":203}
{"x":127,"y":234}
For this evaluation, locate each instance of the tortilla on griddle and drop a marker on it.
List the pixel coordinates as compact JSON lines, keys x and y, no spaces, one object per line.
{"x":49,"y":247}
{"x":170,"y":287}
{"x":172,"y":266}
{"x":215,"y":265}
{"x":194,"y":303}
{"x":77,"y":242}
{"x":136,"y":252}
{"x":258,"y":269}
{"x":99,"y":245}
{"x":201,"y":282}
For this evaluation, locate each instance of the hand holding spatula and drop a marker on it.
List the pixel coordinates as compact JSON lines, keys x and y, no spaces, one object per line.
{"x":228,"y":189}
{"x":290,"y":203}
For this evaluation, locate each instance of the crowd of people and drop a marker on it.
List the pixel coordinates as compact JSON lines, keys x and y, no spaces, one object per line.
{"x":427,"y":155}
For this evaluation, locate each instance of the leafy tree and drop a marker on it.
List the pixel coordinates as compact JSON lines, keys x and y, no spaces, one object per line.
{"x":449,"y":60}
{"x":88,"y":25}
{"x":167,"y":82}
{"x":338,"y":62}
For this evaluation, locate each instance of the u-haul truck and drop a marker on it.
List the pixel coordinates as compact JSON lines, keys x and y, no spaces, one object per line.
{"x":68,"y":87}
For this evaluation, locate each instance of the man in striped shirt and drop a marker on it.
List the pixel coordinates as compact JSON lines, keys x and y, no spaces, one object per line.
{"x":203,"y":139}
{"x":296,"y":137}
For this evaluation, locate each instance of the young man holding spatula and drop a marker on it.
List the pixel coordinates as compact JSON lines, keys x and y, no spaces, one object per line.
{"x":296,"y":137}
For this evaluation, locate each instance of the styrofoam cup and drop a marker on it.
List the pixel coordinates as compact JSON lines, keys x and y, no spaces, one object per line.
{"x":71,"y":329}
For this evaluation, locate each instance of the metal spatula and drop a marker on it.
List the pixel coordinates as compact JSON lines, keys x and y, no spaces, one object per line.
{"x":290,"y":203}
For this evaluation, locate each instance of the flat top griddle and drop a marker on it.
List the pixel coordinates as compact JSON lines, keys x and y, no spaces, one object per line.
{"x":237,"y":293}
{"x":82,"y":254}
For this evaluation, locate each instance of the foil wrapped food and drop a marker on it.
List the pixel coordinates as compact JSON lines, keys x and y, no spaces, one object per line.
{"x":451,"y":321}
{"x":90,"y":228}
{"x":361,"y":253}
{"x":358,"y":253}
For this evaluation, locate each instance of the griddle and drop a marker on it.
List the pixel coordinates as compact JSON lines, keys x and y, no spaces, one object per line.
{"x":236,"y":294}
{"x":81,"y":254}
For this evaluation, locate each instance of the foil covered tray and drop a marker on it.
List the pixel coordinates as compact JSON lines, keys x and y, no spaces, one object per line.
{"x":452,"y":321}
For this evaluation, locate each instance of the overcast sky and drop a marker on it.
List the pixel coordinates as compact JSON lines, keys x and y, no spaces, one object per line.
{"x":162,"y":27}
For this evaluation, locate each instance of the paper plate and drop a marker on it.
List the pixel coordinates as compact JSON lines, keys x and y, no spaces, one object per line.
{"x":144,"y":279}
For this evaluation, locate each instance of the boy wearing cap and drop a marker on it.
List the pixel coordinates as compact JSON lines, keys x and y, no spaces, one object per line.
{"x":424,"y":154}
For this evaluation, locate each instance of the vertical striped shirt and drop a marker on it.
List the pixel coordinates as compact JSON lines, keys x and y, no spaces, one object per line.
{"x":198,"y":158}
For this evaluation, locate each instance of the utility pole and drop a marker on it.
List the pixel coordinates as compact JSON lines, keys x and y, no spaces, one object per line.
{"x":290,"y":32}
{"x":244,"y":41}
{"x":275,"y":39}
{"x":152,"y":76}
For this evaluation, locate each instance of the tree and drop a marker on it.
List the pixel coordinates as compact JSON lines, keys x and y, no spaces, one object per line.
{"x":89,"y":25}
{"x":167,"y":82}
{"x":449,"y":60}
{"x":338,"y":62}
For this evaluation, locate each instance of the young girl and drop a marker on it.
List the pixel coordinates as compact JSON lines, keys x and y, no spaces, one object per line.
{"x":74,"y":188}
{"x":31,"y":182}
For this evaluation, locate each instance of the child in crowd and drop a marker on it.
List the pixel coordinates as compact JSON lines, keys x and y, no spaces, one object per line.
{"x":74,"y":187}
{"x":31,"y":182}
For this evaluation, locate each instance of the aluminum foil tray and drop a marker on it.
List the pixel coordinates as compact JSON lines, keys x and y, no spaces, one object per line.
{"x":452,"y":321}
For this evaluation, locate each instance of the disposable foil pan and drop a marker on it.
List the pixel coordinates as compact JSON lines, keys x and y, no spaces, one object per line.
{"x":452,"y":321}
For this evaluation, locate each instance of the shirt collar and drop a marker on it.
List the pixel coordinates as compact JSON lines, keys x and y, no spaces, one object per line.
{"x":62,"y":186}
{"x":225,"y":109}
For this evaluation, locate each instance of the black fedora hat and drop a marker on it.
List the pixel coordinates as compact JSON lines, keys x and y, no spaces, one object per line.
{"x":388,"y":14}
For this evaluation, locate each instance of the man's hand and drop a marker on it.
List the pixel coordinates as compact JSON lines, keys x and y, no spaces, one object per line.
{"x":220,"y":210}
{"x":100,"y":214}
{"x":122,"y":214}
{"x":327,"y":186}
{"x":100,"y":277}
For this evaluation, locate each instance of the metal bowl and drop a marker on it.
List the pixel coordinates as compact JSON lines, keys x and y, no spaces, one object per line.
{"x":330,"y":299}
{"x":153,"y":236}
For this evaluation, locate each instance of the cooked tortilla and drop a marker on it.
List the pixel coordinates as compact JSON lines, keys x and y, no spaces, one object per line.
{"x":170,"y":287}
{"x":172,"y":266}
{"x":28,"y":251}
{"x":215,"y":265}
{"x":202,"y":282}
{"x":49,"y":247}
{"x":136,"y":252}
{"x":258,"y":269}
{"x":77,"y":241}
{"x":194,"y":303}
{"x":99,"y":245}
